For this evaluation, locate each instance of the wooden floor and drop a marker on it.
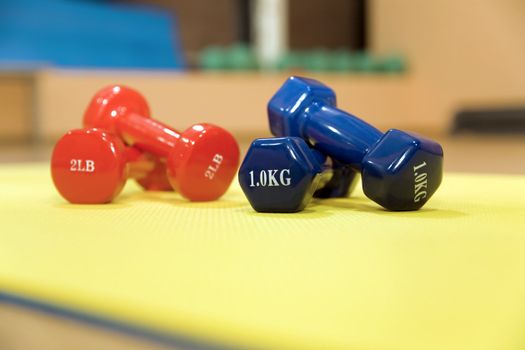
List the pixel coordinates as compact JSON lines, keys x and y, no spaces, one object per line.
{"x":52,"y":332}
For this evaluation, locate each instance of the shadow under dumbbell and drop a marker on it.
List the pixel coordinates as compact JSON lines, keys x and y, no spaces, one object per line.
{"x":175,"y":199}
{"x":306,"y":214}
{"x":106,"y":206}
{"x":360,"y":204}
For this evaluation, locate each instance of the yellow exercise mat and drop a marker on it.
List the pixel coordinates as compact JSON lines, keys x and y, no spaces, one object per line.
{"x":343,"y":274}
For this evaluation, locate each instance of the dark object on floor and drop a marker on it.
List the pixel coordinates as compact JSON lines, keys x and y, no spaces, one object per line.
{"x":490,"y":120}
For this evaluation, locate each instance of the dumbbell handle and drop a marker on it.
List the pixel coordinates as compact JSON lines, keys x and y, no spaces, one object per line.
{"x":338,"y":134}
{"x":148,"y":134}
{"x":137,"y":163}
{"x":340,"y":180}
{"x":327,"y":171}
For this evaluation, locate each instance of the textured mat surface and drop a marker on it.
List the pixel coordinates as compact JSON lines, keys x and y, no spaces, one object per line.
{"x":342,"y":274}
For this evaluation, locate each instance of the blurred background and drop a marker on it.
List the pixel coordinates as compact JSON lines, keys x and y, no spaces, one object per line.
{"x":453,"y":70}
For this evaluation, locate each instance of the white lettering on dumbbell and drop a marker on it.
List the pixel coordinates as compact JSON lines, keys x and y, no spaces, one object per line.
{"x":84,"y":166}
{"x":271,"y":178}
{"x":214,"y":166}
{"x":420,"y":183}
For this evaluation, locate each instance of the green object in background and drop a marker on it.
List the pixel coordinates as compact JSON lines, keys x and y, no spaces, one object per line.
{"x":367,"y":63}
{"x":291,"y":60}
{"x":236,"y":57}
{"x":213,"y":58}
{"x":317,"y":60}
{"x":394,"y":64}
{"x":241,"y":57}
{"x":341,"y":60}
{"x":363,"y":62}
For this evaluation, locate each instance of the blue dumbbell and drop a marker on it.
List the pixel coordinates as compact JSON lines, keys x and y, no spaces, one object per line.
{"x":282,"y":174}
{"x":399,"y":170}
{"x":341,"y":182}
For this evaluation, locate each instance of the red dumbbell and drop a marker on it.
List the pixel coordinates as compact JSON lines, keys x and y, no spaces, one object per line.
{"x":91,"y":166}
{"x":155,"y":179}
{"x":201,"y":162}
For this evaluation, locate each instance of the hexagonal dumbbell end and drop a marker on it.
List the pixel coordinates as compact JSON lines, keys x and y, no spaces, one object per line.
{"x":279,"y":174}
{"x":295,"y":95}
{"x":402,"y":170}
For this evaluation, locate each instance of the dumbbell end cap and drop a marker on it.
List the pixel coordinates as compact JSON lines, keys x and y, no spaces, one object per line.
{"x":402,"y":170}
{"x":279,"y":174}
{"x":203,"y":162}
{"x":110,"y":103}
{"x":88,"y":166}
{"x":289,"y":102}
